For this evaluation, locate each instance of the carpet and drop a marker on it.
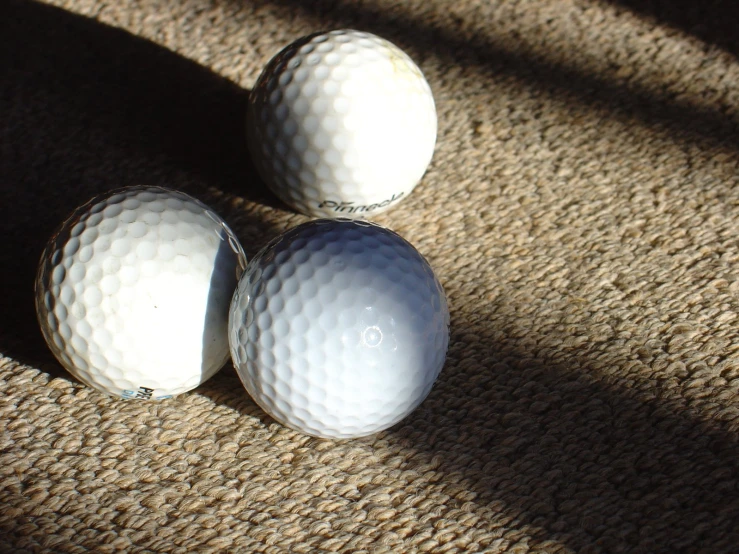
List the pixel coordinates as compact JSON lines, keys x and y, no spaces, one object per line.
{"x":580,"y":211}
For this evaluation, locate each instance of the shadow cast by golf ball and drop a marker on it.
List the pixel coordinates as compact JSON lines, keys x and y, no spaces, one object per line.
{"x":225,"y":388}
{"x":576,"y":459}
{"x":88,"y":108}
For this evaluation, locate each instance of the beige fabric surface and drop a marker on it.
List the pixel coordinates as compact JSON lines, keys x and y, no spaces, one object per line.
{"x":580,"y":210}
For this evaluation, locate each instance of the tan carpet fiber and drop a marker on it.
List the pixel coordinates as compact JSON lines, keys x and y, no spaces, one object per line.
{"x":581,"y":212}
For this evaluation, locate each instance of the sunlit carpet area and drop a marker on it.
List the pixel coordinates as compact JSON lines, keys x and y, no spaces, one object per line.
{"x":580,"y":212}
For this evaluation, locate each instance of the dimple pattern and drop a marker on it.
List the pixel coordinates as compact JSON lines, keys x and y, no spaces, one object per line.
{"x":342,"y":124}
{"x":133,"y":291}
{"x":339,"y":328}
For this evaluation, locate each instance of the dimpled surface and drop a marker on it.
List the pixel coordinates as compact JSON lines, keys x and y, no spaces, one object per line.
{"x":339,"y":328}
{"x":342,"y":124}
{"x":133,"y":291}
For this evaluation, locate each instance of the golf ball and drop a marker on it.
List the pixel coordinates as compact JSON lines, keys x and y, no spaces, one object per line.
{"x":133,"y":292}
{"x":341,"y":124}
{"x":338,"y":328}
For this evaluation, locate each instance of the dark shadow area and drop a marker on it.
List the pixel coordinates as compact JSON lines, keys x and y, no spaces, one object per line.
{"x":223,"y":282}
{"x":597,"y":465}
{"x":472,"y":48}
{"x":86,"y":108}
{"x":712,"y":21}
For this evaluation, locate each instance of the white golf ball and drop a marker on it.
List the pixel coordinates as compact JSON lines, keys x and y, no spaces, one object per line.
{"x":338,"y":328}
{"x":341,"y":124}
{"x":133,"y":292}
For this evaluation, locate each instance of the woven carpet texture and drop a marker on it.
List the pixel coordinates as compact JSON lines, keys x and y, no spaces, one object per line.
{"x":581,"y":211}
